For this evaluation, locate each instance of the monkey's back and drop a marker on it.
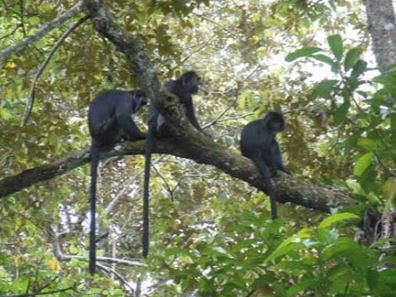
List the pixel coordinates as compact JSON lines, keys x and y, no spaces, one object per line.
{"x":253,"y":138}
{"x":102,"y":125}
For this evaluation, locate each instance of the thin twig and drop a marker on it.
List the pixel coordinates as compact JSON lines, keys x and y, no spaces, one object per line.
{"x":64,"y":257}
{"x":228,"y":108}
{"x":32,"y":92}
{"x":117,"y":275}
{"x":168,"y":187}
{"x":41,"y":32}
{"x":111,"y":205}
{"x":223,"y":28}
{"x":42,"y":293}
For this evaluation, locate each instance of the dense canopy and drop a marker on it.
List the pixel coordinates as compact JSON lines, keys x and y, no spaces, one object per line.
{"x":327,"y":65}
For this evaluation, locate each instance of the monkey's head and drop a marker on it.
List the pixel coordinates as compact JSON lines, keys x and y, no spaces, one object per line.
{"x":190,"y":82}
{"x":186,"y":85}
{"x":274,"y":121}
{"x":140,"y":98}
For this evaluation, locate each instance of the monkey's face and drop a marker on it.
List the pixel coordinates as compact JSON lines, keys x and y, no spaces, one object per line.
{"x":191,"y":81}
{"x":277,"y":125}
{"x":275,"y":121}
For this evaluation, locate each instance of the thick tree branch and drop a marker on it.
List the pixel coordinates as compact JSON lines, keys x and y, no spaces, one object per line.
{"x":188,"y":142}
{"x":203,"y":151}
{"x":42,"y":31}
{"x":130,"y":45}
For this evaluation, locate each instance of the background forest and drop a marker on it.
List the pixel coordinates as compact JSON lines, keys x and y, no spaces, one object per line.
{"x":328,"y":65}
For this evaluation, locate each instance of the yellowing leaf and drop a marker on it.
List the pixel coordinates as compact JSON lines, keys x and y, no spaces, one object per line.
{"x":17,"y":259}
{"x":5,"y":114}
{"x":390,"y":190}
{"x":53,"y":265}
{"x":366,"y":143}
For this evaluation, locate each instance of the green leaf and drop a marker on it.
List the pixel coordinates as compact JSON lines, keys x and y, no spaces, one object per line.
{"x":352,"y":57}
{"x":366,"y":143}
{"x":359,"y":68}
{"x":5,"y":114}
{"x":292,"y":243}
{"x":324,"y":88}
{"x":336,"y":218}
{"x":367,"y":181}
{"x":384,"y":79}
{"x":301,"y":285}
{"x":372,"y":278}
{"x":20,"y":284}
{"x":324,"y":59}
{"x":335,"y":43}
{"x":346,"y":247}
{"x":341,"y":112}
{"x":245,"y":100}
{"x":393,"y":127}
{"x":363,"y":163}
{"x":171,"y":252}
{"x":393,"y":121}
{"x":303,"y":52}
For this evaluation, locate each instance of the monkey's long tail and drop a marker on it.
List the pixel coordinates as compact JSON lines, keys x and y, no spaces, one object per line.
{"x":266,"y":176}
{"x":95,"y":155}
{"x":146,"y":199}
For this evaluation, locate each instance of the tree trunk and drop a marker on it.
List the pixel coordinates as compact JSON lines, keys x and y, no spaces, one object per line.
{"x":382,"y":28}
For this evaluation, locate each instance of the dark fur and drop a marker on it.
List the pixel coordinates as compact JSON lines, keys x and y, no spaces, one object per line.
{"x":183,"y":87}
{"x":109,"y":121}
{"x":258,"y":143}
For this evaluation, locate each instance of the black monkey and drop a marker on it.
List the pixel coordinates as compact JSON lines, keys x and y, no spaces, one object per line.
{"x":109,"y":121}
{"x":183,"y":87}
{"x":258,"y":143}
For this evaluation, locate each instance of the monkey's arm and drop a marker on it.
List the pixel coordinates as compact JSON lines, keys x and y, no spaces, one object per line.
{"x":285,"y":169}
{"x":191,"y":114}
{"x":129,"y":128}
{"x":276,"y":162}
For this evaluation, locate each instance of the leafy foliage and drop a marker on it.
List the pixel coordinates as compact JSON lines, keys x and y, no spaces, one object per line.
{"x":211,"y":235}
{"x":257,"y":256}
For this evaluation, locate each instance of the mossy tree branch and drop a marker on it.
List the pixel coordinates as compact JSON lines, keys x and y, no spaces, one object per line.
{"x":187,"y":143}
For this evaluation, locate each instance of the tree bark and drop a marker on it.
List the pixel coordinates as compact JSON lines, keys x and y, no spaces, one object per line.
{"x":382,"y":28}
{"x":187,"y":142}
{"x":205,"y":151}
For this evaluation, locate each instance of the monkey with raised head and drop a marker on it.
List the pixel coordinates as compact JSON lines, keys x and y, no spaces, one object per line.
{"x":183,"y":87}
{"x":109,"y":121}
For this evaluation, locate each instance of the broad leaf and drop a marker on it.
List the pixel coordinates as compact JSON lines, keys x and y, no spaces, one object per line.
{"x":304,"y":52}
{"x":341,"y":112}
{"x":359,"y":68}
{"x":367,"y":143}
{"x":335,"y":43}
{"x":363,"y":163}
{"x":324,"y":88}
{"x":294,"y":242}
{"x":301,"y":286}
{"x":324,"y":59}
{"x":336,"y":218}
{"x":351,"y":58}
